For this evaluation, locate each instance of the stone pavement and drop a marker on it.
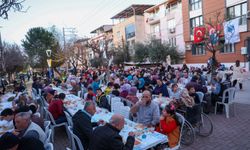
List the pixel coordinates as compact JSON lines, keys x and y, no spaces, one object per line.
{"x":229,"y":134}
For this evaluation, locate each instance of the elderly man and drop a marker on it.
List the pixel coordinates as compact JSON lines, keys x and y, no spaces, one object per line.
{"x":82,"y":125}
{"x":75,"y":87}
{"x":148,"y":112}
{"x":107,"y":137}
{"x":26,"y":128}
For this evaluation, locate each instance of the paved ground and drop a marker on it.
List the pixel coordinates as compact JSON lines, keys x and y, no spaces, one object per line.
{"x":229,"y":134}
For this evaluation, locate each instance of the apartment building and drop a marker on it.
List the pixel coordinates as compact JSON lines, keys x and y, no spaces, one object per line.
{"x":101,"y":40}
{"x":197,"y":12}
{"x":129,"y":28}
{"x":164,"y":22}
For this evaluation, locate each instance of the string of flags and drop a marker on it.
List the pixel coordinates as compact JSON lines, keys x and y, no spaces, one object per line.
{"x":231,"y":33}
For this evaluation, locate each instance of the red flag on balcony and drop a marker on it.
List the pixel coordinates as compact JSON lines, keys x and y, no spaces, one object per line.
{"x":199,"y":33}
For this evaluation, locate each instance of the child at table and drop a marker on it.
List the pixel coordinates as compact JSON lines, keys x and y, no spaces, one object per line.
{"x":7,"y":116}
{"x":169,"y":125}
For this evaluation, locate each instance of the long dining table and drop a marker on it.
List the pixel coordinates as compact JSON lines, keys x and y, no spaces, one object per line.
{"x":145,"y":137}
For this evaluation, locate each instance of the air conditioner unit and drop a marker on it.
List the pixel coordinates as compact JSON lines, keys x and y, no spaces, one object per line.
{"x":188,"y":47}
{"x":243,"y":50}
{"x":248,"y":14}
{"x":172,"y":30}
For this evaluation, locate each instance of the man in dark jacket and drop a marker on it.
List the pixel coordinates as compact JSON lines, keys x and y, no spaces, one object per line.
{"x":161,"y":89}
{"x":102,"y":100}
{"x":11,"y":141}
{"x":107,"y":137}
{"x":82,"y":125}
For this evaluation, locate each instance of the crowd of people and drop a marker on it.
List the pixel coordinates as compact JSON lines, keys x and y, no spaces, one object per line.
{"x":95,"y":85}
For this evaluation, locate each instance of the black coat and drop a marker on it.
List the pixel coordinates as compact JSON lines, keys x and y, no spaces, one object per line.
{"x":103,"y":102}
{"x":107,"y":138}
{"x":82,"y":127}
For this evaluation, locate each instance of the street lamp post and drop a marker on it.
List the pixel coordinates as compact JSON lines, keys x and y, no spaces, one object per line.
{"x":48,"y":52}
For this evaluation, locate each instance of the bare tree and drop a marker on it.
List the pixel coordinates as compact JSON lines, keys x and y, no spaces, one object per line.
{"x":7,"y":5}
{"x":213,"y":36}
{"x":14,"y":59}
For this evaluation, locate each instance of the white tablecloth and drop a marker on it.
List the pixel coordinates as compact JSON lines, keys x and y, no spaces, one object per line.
{"x":146,"y":138}
{"x":4,"y":101}
{"x":162,"y":101}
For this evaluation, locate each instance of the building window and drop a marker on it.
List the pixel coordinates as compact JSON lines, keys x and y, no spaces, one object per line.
{"x":228,"y":48}
{"x":238,"y":11}
{"x":155,"y":28}
{"x":195,"y":4}
{"x":198,"y":49}
{"x":118,"y":34}
{"x":130,"y":31}
{"x":171,"y":24}
{"x":195,"y":22}
{"x":172,"y":41}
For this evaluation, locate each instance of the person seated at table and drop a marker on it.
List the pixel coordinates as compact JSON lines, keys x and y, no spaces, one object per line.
{"x":95,"y":83}
{"x":82,"y":126}
{"x":169,"y":125}
{"x":174,"y":92}
{"x":109,"y":88}
{"x":26,"y":128}
{"x":56,"y":108}
{"x":50,"y":95}
{"x":89,"y":92}
{"x":147,"y":86}
{"x":36,"y":85}
{"x":102,"y":100}
{"x":75,"y":87}
{"x":57,"y":82}
{"x":10,"y":141}
{"x":132,"y":95}
{"x":198,"y":87}
{"x":124,"y":90}
{"x":21,"y":100}
{"x":34,"y":118}
{"x":185,"y":79}
{"x":107,"y":137}
{"x":116,"y":91}
{"x":192,"y":103}
{"x":216,"y":92}
{"x":7,"y":115}
{"x":146,"y":110}
{"x":161,"y":89}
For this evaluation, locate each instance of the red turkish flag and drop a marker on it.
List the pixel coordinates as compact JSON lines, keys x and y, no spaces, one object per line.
{"x":199,"y":33}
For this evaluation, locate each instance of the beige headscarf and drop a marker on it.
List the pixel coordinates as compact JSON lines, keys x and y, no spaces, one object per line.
{"x":186,"y":99}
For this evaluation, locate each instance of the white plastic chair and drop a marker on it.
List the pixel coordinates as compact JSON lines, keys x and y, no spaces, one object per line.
{"x":201,"y":96}
{"x":109,"y":99}
{"x":76,"y":142}
{"x":49,"y":146}
{"x":79,"y":93}
{"x":115,"y":107}
{"x":46,"y":126}
{"x":114,"y":100}
{"x":228,"y":94}
{"x":69,"y":119}
{"x":48,"y":136}
{"x":53,"y":124}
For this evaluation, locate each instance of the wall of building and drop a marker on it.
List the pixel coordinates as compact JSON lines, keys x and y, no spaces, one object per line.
{"x":120,"y":27}
{"x":162,"y":18}
{"x":139,"y":29}
{"x":210,"y":7}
